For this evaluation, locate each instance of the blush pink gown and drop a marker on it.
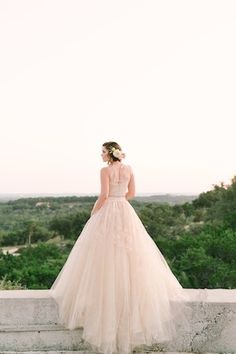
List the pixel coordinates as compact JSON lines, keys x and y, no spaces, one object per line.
{"x":116,"y":283}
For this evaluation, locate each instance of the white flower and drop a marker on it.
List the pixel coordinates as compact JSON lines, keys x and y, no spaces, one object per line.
{"x":117,"y":153}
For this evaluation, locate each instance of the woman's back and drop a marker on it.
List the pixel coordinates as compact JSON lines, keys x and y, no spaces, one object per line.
{"x":121,"y":177}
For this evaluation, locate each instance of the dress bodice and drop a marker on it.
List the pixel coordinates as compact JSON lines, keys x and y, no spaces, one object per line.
{"x":119,"y":177}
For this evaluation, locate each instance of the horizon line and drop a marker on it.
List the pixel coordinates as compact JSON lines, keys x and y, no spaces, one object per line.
{"x":96,"y":193}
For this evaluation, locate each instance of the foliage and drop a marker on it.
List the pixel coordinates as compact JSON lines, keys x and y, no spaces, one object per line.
{"x":10,"y":285}
{"x":197,"y":238}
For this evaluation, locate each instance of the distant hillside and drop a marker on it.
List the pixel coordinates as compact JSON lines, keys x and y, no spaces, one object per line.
{"x":166,"y":198}
{"x":5,"y":197}
{"x":158,"y":198}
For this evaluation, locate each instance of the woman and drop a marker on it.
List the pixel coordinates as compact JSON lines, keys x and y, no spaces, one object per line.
{"x":116,"y":283}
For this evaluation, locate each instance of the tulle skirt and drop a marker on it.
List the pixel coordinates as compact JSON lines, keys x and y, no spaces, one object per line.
{"x":117,"y":285}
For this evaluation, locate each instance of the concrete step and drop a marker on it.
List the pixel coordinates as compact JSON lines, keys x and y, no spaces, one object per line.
{"x":26,"y":307}
{"x":86,"y":352}
{"x":29,"y":322}
{"x":40,"y":338}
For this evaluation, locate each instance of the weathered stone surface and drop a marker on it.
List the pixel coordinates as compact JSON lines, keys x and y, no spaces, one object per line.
{"x":28,"y":323}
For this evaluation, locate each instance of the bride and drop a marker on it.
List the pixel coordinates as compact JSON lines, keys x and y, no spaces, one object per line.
{"x":115,"y":283}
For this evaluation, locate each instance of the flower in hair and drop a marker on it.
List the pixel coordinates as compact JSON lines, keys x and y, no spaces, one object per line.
{"x":117,"y":153}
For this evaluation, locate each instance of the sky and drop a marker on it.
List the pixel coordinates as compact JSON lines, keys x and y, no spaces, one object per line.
{"x":158,"y":77}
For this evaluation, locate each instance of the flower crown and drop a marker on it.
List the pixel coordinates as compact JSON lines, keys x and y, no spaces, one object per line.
{"x":116,"y":152}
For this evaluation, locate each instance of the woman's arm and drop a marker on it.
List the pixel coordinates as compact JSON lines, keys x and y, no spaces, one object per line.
{"x":131,"y":186}
{"x":104,"y":179}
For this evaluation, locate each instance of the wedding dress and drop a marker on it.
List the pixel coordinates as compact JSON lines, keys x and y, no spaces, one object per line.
{"x":115,"y":283}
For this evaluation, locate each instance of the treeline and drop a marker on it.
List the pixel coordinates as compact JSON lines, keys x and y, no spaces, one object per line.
{"x":197,"y":238}
{"x":33,"y":220}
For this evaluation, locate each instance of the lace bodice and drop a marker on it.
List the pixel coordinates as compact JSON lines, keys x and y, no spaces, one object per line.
{"x":119,"y":177}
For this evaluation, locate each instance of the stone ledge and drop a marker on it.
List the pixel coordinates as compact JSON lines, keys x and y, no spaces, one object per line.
{"x":85,"y":352}
{"x":29,"y":322}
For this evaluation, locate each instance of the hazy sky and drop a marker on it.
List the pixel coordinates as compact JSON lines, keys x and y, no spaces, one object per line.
{"x":158,"y":77}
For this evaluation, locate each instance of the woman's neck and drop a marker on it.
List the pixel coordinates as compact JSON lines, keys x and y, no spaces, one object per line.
{"x":115,"y":163}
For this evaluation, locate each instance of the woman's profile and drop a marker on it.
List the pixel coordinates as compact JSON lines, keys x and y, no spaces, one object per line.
{"x":116,"y":283}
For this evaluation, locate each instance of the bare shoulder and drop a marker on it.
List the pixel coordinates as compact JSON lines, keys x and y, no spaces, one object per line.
{"x":126,"y":165}
{"x":130,"y":168}
{"x":104,"y":170}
